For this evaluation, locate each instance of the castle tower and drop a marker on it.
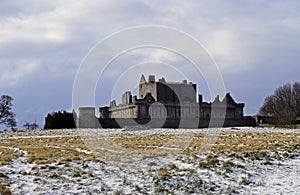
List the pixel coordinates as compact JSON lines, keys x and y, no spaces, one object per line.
{"x":147,"y":87}
{"x":143,"y":80}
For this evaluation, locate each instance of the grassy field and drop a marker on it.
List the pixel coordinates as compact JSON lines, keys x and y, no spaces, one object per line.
{"x":41,"y":147}
{"x":62,"y":147}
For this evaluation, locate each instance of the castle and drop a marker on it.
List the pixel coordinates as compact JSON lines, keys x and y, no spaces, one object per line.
{"x":166,"y":104}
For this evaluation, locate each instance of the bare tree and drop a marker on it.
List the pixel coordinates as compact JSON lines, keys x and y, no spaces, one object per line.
{"x":26,"y":125}
{"x":34,"y":126}
{"x":296,"y":92}
{"x":7,"y":117}
{"x":30,"y":126}
{"x":283,"y":105}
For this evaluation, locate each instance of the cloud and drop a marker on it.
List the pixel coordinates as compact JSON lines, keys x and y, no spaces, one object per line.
{"x":44,"y":27}
{"x":14,"y":74}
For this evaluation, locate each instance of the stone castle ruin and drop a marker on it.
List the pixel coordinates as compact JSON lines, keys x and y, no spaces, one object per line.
{"x":166,"y":104}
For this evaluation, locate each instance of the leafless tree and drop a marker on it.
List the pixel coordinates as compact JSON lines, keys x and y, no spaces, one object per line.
{"x":7,"y":117}
{"x":30,"y":126}
{"x":283,"y":105}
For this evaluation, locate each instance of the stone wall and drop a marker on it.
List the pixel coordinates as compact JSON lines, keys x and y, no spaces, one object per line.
{"x":175,"y":123}
{"x":124,"y":111}
{"x":86,"y":118}
{"x":126,"y":98}
{"x":176,"y":92}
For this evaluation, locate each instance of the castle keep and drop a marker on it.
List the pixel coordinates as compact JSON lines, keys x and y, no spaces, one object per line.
{"x":171,"y":102}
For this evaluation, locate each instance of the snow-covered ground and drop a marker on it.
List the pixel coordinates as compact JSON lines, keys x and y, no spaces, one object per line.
{"x":168,"y":174}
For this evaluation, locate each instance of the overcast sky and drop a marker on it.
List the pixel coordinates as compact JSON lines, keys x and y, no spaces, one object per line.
{"x":256,"y":45}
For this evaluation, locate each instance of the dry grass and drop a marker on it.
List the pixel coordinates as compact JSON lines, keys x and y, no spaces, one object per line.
{"x":7,"y":155}
{"x":226,"y":143}
{"x":4,"y":185}
{"x":5,"y":190}
{"x":45,"y":150}
{"x":256,"y":142}
{"x":63,"y":149}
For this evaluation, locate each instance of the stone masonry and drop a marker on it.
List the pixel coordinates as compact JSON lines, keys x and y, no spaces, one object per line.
{"x":162,"y":99}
